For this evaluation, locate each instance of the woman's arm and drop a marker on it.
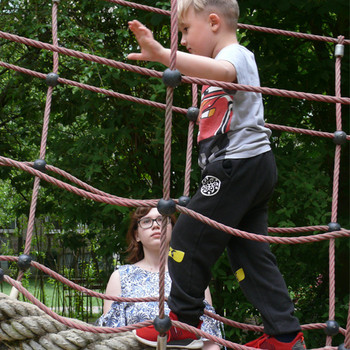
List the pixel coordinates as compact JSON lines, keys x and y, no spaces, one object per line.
{"x":209,"y":345}
{"x":113,"y":288}
{"x":207,"y":296}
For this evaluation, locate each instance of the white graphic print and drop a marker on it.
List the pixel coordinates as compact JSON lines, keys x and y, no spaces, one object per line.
{"x":210,"y":186}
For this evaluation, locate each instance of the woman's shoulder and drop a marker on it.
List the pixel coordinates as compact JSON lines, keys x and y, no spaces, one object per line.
{"x":132,"y":271}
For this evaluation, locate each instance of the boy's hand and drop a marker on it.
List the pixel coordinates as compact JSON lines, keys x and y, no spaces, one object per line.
{"x":151,"y":50}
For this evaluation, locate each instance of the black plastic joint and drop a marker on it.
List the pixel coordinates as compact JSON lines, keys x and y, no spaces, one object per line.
{"x":40,"y":165}
{"x":332,"y":328}
{"x":24,"y":262}
{"x":171,"y":78}
{"x":192,"y":114}
{"x":162,"y":325}
{"x":333,"y":226}
{"x":166,"y":207}
{"x":52,"y":79}
{"x":184,"y":200}
{"x":339,"y":137}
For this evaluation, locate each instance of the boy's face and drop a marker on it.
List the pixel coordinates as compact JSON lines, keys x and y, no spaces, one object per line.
{"x":197,"y":34}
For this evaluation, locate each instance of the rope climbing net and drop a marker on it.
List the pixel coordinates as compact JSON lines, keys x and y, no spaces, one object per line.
{"x":15,"y":332}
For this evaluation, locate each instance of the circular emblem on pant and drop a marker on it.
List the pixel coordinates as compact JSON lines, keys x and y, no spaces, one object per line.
{"x":210,"y":186}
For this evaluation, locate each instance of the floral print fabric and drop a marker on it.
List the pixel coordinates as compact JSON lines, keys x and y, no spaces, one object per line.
{"x":139,"y":283}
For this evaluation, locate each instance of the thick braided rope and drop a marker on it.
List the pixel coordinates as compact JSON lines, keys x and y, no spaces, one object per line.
{"x":68,"y":321}
{"x":25,"y":326}
{"x":84,"y":327}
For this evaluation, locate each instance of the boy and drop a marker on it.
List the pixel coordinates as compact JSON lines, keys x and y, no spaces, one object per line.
{"x":238,"y":178}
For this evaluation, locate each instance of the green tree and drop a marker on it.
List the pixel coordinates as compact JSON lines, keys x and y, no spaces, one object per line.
{"x":117,"y":146}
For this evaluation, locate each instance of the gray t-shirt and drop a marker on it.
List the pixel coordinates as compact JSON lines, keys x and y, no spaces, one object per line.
{"x":231,"y":122}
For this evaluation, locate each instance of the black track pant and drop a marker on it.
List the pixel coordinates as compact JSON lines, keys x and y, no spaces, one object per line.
{"x":234,"y":192}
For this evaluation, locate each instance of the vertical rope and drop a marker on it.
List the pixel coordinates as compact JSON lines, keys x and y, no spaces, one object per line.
{"x":190,"y":144}
{"x":54,"y":34}
{"x":167,"y":156}
{"x":44,"y":134}
{"x":36,"y":186}
{"x":335,"y":192}
{"x":347,"y":331}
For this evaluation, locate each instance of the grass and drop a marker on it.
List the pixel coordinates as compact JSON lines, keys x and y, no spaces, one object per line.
{"x":62,"y":299}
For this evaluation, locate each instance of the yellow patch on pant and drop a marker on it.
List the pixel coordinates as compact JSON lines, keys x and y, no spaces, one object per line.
{"x":177,"y":255}
{"x":240,"y":275}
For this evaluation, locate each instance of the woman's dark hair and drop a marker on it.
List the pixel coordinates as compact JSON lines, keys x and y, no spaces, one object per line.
{"x":135,"y":248}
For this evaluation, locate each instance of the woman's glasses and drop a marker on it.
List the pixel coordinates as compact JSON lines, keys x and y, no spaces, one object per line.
{"x":148,"y":222}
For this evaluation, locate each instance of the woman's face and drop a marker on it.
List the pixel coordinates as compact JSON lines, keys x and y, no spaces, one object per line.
{"x":149,"y":229}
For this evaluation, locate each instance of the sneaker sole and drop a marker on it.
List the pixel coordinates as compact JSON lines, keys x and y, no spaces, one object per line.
{"x":194,"y":344}
{"x":299,"y":346}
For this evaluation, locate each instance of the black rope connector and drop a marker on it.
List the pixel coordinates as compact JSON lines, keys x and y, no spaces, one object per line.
{"x":192,"y":114}
{"x":184,"y":200}
{"x":24,"y":262}
{"x":52,"y":79}
{"x":162,"y":325}
{"x":40,"y":165}
{"x":339,"y":137}
{"x":342,"y":347}
{"x":333,"y":226}
{"x":171,"y":78}
{"x":2,"y":274}
{"x":332,"y":328}
{"x":166,"y":207}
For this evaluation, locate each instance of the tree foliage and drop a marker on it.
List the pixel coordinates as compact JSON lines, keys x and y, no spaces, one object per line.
{"x":117,"y":146}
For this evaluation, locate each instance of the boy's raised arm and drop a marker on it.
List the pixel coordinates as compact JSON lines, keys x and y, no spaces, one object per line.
{"x":151,"y":50}
{"x":188,"y":64}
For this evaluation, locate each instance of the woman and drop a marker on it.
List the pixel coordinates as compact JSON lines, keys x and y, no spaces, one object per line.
{"x":141,"y":278}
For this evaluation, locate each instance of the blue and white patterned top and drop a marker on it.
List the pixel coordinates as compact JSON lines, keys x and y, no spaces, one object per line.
{"x":139,"y":283}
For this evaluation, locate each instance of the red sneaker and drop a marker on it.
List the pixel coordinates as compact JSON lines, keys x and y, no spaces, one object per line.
{"x":177,"y":337}
{"x":271,"y":343}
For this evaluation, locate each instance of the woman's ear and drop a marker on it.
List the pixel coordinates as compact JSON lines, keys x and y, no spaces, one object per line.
{"x":137,"y":238}
{"x":214,"y":21}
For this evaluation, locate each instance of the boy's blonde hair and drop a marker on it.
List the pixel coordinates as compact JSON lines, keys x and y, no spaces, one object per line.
{"x":227,"y":8}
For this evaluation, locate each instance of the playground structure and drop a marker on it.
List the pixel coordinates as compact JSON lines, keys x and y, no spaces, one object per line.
{"x":14,"y":333}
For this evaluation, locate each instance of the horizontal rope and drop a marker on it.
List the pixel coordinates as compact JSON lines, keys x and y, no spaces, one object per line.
{"x":110,"y":199}
{"x":240,"y":25}
{"x":186,"y":79}
{"x":155,"y":104}
{"x":134,"y":203}
{"x":262,"y":238}
{"x":93,"y":88}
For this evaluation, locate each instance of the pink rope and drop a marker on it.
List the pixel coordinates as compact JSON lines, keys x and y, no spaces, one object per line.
{"x":100,"y":196}
{"x":114,"y":200}
{"x":240,"y":25}
{"x":190,"y":144}
{"x":167,"y":162}
{"x":347,"y":334}
{"x":185,"y":79}
{"x":336,"y":175}
{"x":152,"y":103}
{"x":67,"y":321}
{"x":97,"y":197}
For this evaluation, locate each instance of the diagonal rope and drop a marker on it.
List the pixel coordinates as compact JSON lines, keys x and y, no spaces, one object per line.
{"x":97,"y":195}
